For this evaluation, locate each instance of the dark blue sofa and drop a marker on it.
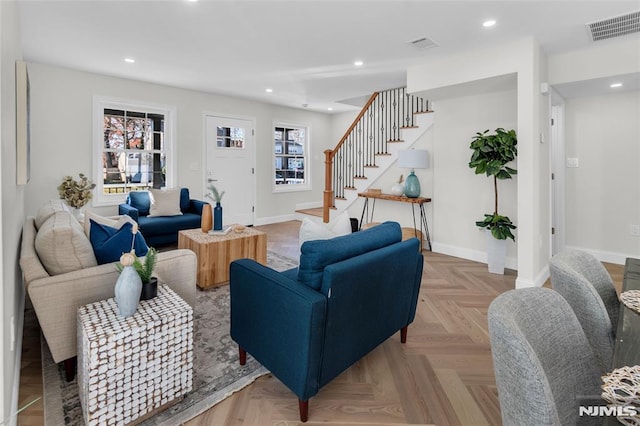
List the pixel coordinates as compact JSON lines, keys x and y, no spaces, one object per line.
{"x":160,"y":230}
{"x":348,"y":295}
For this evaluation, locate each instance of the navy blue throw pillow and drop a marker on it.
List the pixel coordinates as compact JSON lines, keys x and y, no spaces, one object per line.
{"x":109,"y":243}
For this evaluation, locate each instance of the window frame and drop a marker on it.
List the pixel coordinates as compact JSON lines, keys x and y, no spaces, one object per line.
{"x":100,"y":103}
{"x":306,"y":186}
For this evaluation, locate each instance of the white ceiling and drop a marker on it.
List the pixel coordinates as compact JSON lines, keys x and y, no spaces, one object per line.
{"x":302,"y":49}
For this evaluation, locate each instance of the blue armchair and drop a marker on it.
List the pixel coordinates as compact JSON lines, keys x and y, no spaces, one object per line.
{"x":159,"y":230}
{"x":309,"y":324}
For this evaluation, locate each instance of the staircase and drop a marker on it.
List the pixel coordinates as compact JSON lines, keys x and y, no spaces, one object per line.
{"x":390,"y":121}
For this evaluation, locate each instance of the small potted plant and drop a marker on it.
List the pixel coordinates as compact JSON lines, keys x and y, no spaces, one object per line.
{"x":76,"y":193}
{"x":217,"y":210}
{"x":145,"y":272}
{"x":144,"y":269}
{"x":491,"y":153}
{"x":398,"y":188}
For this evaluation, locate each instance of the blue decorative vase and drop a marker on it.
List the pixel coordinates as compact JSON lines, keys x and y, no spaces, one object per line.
{"x":128,"y":289}
{"x":217,"y":217}
{"x":412,"y":186}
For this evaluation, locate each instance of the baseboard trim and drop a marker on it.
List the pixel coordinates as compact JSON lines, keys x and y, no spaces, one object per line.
{"x":538,"y":281}
{"x":605,"y":256}
{"x":312,"y":205}
{"x":13,"y":421}
{"x":470,"y":254}
{"x":275,"y":219}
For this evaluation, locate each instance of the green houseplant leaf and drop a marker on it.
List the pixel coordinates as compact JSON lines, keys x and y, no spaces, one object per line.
{"x":144,"y":269}
{"x":491,"y":153}
{"x":500,"y":226}
{"x":215,"y":194}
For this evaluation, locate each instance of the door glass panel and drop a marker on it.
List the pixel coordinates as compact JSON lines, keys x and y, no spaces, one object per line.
{"x":230,"y":137}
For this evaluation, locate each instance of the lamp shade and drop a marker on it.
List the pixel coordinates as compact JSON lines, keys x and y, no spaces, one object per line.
{"x":413,"y":159}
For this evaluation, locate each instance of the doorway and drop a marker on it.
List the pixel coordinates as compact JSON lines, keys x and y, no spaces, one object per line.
{"x":229,"y":156}
{"x":557,"y":174}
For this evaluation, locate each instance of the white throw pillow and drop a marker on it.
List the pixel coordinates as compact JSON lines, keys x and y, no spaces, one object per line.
{"x":107,"y":221}
{"x":164,"y":202}
{"x":62,"y":246}
{"x":48,"y":209}
{"x":310,"y":230}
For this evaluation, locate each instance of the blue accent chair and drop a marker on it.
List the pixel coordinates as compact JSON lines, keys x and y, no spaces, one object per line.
{"x":161,"y":230}
{"x":309,"y":324}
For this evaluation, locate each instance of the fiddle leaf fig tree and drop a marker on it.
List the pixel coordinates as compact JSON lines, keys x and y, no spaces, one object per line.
{"x":491,"y":154}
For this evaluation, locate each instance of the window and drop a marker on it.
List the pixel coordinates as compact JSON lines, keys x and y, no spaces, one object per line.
{"x":230,"y":137}
{"x":132,"y":148}
{"x":290,"y":151}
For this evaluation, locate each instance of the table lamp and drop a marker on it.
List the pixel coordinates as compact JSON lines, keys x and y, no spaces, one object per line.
{"x":413,"y":159}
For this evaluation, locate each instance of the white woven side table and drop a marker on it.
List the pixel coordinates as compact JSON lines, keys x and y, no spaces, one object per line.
{"x":131,"y":367}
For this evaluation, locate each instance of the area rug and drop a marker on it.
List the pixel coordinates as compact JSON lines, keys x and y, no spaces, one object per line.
{"x":216,"y":373}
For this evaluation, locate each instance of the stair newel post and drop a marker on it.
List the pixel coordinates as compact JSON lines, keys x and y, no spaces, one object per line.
{"x":328,"y":186}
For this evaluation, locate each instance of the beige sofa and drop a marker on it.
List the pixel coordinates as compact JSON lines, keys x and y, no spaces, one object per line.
{"x":56,"y":296}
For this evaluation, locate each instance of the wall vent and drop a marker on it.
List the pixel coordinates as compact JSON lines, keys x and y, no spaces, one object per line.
{"x":614,"y":27}
{"x":423,"y":43}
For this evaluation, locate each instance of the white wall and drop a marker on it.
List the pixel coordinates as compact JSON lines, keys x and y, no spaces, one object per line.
{"x":603,"y":193}
{"x":523,"y":58}
{"x":339,"y":125}
{"x":12,"y":213}
{"x":460,"y":197}
{"x":602,"y":59}
{"x":61,"y":134}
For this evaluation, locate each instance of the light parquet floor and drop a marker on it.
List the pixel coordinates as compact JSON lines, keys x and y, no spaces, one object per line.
{"x":443,"y":375}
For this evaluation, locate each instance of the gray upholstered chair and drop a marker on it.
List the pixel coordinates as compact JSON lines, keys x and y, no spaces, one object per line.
{"x":544,"y":366}
{"x":582,"y":280}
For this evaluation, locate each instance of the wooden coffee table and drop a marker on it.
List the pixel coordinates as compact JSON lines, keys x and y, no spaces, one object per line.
{"x":216,"y":252}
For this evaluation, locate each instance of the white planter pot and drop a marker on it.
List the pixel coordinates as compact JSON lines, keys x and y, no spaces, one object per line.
{"x":496,"y":254}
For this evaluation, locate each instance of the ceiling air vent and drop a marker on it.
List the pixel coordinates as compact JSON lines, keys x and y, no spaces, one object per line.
{"x":615,"y":27}
{"x":423,"y":43}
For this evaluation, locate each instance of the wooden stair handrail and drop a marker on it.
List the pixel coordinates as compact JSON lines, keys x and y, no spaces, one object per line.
{"x":328,"y":161}
{"x":327,"y":194}
{"x":365,"y":108}
{"x":403,"y":105}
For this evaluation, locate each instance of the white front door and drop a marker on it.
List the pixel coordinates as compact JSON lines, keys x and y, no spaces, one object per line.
{"x":229,"y":166}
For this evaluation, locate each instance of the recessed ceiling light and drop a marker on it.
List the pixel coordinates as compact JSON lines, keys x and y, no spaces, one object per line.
{"x":614,"y":85}
{"x":330,"y":109}
{"x":489,"y":23}
{"x":192,"y":1}
{"x":358,"y":63}
{"x":129,"y":60}
{"x":268,"y":90}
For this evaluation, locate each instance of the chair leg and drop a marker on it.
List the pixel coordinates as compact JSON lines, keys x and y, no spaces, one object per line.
{"x":304,"y":410}
{"x":243,"y":356}
{"x":403,"y":334}
{"x":70,"y":368}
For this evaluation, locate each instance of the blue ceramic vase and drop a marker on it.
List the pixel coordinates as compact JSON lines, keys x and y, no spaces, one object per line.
{"x":412,"y":186}
{"x":217,"y":217}
{"x":128,"y":289}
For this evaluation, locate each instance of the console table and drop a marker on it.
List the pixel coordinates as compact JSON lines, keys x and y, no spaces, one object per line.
{"x":419,"y":201}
